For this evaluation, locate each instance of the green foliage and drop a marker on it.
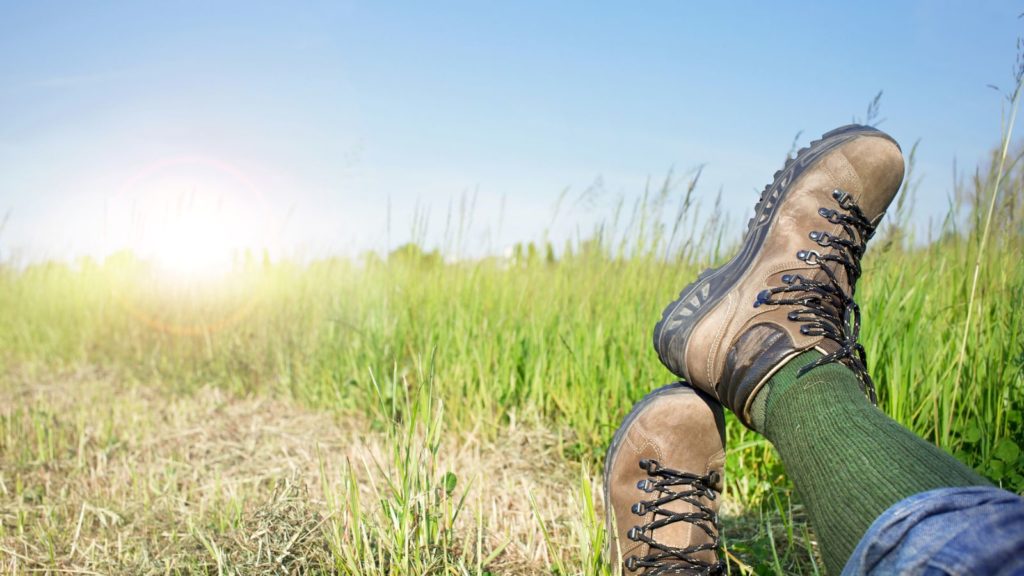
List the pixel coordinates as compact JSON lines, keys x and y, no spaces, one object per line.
{"x":560,"y":342}
{"x":557,"y":341}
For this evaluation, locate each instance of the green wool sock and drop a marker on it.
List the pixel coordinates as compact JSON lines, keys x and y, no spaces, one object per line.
{"x":849,"y":461}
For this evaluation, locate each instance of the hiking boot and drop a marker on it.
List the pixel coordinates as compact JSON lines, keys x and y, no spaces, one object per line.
{"x":790,"y":288}
{"x":662,"y":478}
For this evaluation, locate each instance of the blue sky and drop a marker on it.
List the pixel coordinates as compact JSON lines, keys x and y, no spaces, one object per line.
{"x":345,"y":116}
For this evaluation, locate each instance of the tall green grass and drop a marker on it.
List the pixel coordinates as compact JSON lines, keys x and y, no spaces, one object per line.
{"x":557,"y":339}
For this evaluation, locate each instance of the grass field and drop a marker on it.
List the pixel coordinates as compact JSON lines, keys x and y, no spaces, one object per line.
{"x":405,"y":415}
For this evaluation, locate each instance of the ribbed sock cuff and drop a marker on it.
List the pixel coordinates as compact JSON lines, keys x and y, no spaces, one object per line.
{"x":784,"y":378}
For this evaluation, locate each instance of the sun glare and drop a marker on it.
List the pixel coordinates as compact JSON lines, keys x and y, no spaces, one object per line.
{"x":194,"y":244}
{"x":192,"y":219}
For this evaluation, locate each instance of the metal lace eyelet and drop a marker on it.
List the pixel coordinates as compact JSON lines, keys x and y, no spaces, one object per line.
{"x":822,"y":238}
{"x":843,"y":197}
{"x":809,"y":256}
{"x":634,"y":533}
{"x":639,"y":509}
{"x":762,"y":298}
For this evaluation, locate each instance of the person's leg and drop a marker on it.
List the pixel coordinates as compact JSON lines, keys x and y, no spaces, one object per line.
{"x":969,"y":530}
{"x":848,"y":460}
{"x":772,"y":335}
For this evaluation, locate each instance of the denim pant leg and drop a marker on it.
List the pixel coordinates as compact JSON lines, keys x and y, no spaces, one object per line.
{"x":972,"y":530}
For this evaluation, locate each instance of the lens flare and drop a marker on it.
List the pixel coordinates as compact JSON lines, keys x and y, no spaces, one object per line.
{"x":195,"y":224}
{"x":192,"y":219}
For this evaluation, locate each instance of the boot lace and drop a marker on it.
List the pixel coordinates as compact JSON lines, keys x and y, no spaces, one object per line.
{"x":825,"y":308}
{"x":668,"y":486}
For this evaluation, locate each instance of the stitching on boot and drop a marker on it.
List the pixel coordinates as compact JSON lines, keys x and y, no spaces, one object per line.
{"x":647,"y":441}
{"x":782,"y":267}
{"x":713,"y":353}
{"x":717,"y":456}
{"x":851,"y":174}
{"x":654,"y":446}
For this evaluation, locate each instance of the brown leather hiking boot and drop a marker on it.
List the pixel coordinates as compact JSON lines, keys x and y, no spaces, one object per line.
{"x":790,"y":288}
{"x":662,"y":476}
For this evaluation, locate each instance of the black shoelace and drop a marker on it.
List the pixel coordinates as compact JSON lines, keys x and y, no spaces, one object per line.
{"x":825,"y":307}
{"x":670,"y":486}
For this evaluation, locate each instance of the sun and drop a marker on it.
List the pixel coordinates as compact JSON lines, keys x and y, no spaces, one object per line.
{"x":196,"y":243}
{"x":192,"y":220}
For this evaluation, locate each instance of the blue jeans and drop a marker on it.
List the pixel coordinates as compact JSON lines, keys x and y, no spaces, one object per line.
{"x":973,"y":530}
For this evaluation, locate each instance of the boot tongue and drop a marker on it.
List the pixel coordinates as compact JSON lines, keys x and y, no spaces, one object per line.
{"x":828,"y":346}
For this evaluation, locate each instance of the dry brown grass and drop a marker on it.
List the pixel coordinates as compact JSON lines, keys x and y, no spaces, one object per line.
{"x":100,"y":476}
